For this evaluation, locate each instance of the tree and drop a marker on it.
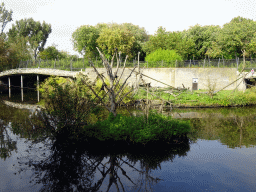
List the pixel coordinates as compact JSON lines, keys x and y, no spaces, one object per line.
{"x":50,"y":53}
{"x":84,"y":39}
{"x":7,"y":55}
{"x":5,"y":17}
{"x":20,"y":47}
{"x":36,"y":32}
{"x":236,"y":38}
{"x":141,"y":37}
{"x":126,"y":37}
{"x":114,"y":37}
{"x":160,"y":40}
{"x":203,"y":36}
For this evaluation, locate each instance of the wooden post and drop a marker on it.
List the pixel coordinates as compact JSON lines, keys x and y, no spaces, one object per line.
{"x":204,"y":62}
{"x":37,"y":88}
{"x":223,"y":60}
{"x":21,"y":79}
{"x":9,"y":87}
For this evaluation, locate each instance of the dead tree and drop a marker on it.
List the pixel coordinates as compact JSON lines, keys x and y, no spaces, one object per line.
{"x":114,"y":90}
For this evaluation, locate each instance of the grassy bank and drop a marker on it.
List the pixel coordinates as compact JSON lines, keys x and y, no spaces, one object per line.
{"x":202,"y":98}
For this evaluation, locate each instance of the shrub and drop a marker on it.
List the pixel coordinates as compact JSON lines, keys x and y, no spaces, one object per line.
{"x":66,"y":101}
{"x":163,"y":55}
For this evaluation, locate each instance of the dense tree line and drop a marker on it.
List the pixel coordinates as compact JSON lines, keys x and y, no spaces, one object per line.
{"x":234,"y":39}
{"x":27,"y":38}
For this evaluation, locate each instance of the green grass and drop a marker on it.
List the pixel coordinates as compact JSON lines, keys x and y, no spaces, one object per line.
{"x":202,"y":99}
{"x":138,"y":129}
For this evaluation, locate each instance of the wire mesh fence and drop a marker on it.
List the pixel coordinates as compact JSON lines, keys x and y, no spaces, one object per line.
{"x":77,"y":65}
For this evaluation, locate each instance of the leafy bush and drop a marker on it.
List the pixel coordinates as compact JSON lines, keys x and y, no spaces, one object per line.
{"x":66,"y":101}
{"x":169,"y":56}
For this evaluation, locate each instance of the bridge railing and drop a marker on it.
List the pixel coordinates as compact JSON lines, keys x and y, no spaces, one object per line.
{"x":79,"y":64}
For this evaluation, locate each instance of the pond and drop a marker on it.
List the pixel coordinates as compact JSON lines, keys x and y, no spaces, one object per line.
{"x":219,"y":155}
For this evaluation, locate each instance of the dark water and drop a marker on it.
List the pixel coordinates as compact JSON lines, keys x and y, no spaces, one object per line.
{"x":220,"y":155}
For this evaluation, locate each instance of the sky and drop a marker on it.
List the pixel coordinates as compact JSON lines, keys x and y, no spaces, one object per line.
{"x":174,"y":15}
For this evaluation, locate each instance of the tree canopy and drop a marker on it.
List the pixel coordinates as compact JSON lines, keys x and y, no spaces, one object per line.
{"x":234,"y":38}
{"x":36,"y":32}
{"x":84,"y":39}
{"x":125,"y":37}
{"x":5,"y":17}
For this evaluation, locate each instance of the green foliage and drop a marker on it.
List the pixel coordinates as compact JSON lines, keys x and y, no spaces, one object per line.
{"x":201,"y":98}
{"x":163,"y":39}
{"x":234,"y":37}
{"x":36,"y":32}
{"x":5,"y":17}
{"x":126,"y":37}
{"x":169,"y":56}
{"x":50,"y":53}
{"x":114,"y":37}
{"x":202,"y":36}
{"x":66,"y":100}
{"x":8,"y":55}
{"x":84,"y":39}
{"x":139,"y":129}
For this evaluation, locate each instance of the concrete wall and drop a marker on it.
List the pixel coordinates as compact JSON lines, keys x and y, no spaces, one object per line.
{"x":220,"y":77}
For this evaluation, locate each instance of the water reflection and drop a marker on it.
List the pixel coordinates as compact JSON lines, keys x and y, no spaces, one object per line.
{"x":234,"y":127}
{"x":66,"y":162}
{"x":72,"y":164}
{"x":69,"y":162}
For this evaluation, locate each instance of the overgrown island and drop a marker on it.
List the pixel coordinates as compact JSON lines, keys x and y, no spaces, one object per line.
{"x":90,"y":111}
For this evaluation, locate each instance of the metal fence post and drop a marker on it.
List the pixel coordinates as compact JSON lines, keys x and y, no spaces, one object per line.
{"x":237,"y":63}
{"x":190,"y":63}
{"x":204,"y":63}
{"x":71,"y":64}
{"x":176,"y":63}
{"x":219,"y":63}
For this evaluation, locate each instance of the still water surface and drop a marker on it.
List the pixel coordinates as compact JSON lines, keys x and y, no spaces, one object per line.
{"x":220,"y":156}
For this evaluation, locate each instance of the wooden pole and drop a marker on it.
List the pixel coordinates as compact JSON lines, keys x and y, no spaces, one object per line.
{"x":37,"y":88}
{"x":21,"y":79}
{"x":9,"y":87}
